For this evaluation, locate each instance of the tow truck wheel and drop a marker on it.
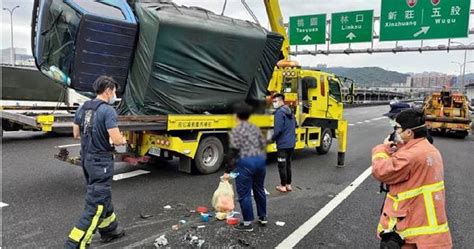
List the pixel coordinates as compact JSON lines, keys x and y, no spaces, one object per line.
{"x":326,"y":142}
{"x":209,"y":155}
{"x":462,"y":134}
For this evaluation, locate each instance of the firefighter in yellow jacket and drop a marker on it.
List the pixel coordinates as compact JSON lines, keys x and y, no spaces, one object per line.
{"x":414,"y":214}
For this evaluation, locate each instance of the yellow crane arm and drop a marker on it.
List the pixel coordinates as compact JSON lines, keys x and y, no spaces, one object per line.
{"x":276,"y":22}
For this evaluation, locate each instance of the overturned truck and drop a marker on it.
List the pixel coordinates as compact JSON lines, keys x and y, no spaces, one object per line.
{"x":182,"y":61}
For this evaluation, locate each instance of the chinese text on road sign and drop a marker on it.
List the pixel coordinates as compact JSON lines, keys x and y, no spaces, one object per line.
{"x":424,"y":19}
{"x":307,"y":30}
{"x":349,"y":27}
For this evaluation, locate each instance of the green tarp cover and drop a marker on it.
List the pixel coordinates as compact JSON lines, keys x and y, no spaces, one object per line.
{"x":189,"y":60}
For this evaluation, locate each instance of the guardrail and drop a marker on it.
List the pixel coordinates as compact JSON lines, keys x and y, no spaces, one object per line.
{"x":375,"y":103}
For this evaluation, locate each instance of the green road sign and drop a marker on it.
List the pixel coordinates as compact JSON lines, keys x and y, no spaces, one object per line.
{"x":307,"y":30}
{"x":350,"y":27}
{"x":424,"y":19}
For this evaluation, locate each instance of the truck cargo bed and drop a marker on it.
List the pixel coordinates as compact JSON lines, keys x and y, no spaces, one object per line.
{"x":457,"y":120}
{"x":63,"y":122}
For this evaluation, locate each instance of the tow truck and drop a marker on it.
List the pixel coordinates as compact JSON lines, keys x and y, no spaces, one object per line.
{"x":200,"y":141}
{"x":448,"y":112}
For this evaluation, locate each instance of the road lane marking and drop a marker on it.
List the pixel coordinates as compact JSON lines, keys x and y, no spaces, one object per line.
{"x":130,"y":174}
{"x":367,"y":121}
{"x":310,"y":224}
{"x":67,"y":146}
{"x":360,"y":122}
{"x":351,"y":124}
{"x":3,"y":204}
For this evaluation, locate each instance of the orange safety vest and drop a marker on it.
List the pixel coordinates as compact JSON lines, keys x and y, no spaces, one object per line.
{"x":415,"y":204}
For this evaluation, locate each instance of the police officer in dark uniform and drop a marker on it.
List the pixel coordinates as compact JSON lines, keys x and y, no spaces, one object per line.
{"x":96,"y":125}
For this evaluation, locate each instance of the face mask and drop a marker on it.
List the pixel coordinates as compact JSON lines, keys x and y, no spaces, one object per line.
{"x":113,"y":99}
{"x":276,"y":105}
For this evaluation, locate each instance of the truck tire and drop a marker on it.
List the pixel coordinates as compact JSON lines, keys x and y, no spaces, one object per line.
{"x":462,"y":134}
{"x":326,"y":142}
{"x":209,"y":155}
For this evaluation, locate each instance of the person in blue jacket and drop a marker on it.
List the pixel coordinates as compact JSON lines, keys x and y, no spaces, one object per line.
{"x":285,"y":138}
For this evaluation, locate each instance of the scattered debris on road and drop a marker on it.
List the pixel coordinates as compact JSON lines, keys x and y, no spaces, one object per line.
{"x":244,"y":243}
{"x":280,"y":223}
{"x":161,"y":241}
{"x":145,"y":216}
{"x":202,"y":209}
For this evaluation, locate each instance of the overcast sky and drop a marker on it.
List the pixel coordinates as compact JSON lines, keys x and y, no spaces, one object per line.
{"x":402,"y":62}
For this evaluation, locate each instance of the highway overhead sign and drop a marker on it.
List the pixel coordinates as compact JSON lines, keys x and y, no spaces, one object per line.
{"x":424,"y":19}
{"x":307,"y":30}
{"x":350,"y":27}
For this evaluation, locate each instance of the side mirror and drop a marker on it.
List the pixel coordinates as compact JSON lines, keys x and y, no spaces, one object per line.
{"x":351,"y":94}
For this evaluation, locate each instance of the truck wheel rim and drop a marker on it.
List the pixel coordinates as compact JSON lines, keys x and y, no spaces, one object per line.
{"x":210,"y":155}
{"x":326,"y":141}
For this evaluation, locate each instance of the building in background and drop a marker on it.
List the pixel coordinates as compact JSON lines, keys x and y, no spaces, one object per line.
{"x":22,"y":57}
{"x":431,"y":80}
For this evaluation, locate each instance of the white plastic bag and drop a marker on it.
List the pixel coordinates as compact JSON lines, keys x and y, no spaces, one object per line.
{"x":223,"y":198}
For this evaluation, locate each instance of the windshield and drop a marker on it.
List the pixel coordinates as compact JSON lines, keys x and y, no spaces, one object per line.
{"x":54,"y":44}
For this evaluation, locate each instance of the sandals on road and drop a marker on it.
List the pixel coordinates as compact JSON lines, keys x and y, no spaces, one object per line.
{"x":281,"y":189}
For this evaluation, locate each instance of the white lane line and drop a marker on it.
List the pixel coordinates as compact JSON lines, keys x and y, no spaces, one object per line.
{"x":367,"y":121}
{"x":67,"y":146}
{"x":351,"y":124}
{"x":360,"y":122}
{"x":310,"y":224}
{"x":3,"y":204}
{"x":130,"y":174}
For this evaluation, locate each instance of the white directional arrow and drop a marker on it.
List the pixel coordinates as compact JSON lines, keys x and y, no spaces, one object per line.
{"x":423,"y":30}
{"x":307,"y":38}
{"x":351,"y":36}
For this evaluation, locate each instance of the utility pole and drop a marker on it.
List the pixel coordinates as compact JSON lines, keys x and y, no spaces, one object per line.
{"x":464,"y":69}
{"x":464,"y":63}
{"x":12,"y":50}
{"x":460,"y":69}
